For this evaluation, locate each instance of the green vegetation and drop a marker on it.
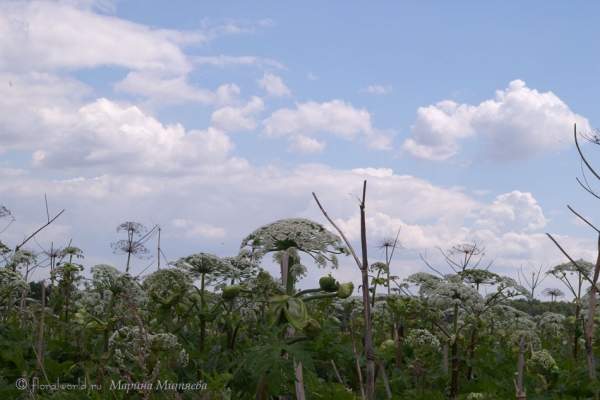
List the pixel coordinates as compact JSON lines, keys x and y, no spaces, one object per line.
{"x":207,"y":327}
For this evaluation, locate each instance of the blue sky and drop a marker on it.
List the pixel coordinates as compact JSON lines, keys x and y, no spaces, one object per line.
{"x":214,"y":118}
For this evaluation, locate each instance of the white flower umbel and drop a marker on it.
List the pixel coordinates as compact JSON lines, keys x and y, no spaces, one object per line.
{"x":507,"y":319}
{"x":532,"y":340}
{"x":552,"y":323}
{"x":11,"y":283}
{"x":447,"y":295}
{"x":241,"y":267}
{"x":164,"y":282}
{"x":427,"y":283}
{"x":301,"y":234}
{"x":24,"y":256}
{"x":422,"y":339}
{"x":209,"y":267}
{"x":541,"y":361}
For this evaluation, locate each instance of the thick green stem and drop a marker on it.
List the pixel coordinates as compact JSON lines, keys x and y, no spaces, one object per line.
{"x":202,"y":321}
{"x":320,"y":296}
{"x":289,"y":285}
{"x":455,"y":367}
{"x":202,"y":334}
{"x":306,"y":291}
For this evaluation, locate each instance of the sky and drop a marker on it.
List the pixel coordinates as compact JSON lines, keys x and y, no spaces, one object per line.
{"x":212,"y":119}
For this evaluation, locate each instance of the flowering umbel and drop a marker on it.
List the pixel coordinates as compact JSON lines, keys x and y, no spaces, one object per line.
{"x":298,"y":233}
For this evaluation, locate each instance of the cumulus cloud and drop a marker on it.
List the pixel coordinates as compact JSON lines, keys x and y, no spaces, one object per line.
{"x":34,"y":104}
{"x":520,"y":123}
{"x":30,"y":38}
{"x":511,"y":212}
{"x":266,"y":22}
{"x":174,"y":90}
{"x":32,"y":42}
{"x":274,"y":85}
{"x":378,"y":89}
{"x":305,"y":145}
{"x":107,"y":136}
{"x":193,"y":229}
{"x":336,"y":117}
{"x":231,"y":119}
{"x":229,"y":200}
{"x":225,"y":60}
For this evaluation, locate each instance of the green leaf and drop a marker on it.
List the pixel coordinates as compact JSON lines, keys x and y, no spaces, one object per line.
{"x":16,"y":356}
{"x":276,"y":305}
{"x":295,"y":312}
{"x":55,"y":369}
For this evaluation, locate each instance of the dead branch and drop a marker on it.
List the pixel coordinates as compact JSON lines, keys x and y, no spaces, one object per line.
{"x":581,"y":271}
{"x":36,"y":232}
{"x":583,"y":219}
{"x":339,"y":231}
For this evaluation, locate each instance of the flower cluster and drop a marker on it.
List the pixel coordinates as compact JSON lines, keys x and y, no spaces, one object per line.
{"x":248,"y":314}
{"x":507,"y":319}
{"x":298,"y":271}
{"x":262,"y":285}
{"x":107,"y":277}
{"x":478,"y":396}
{"x":530,"y":340}
{"x":210,"y":267}
{"x":541,"y":361}
{"x":447,"y":295}
{"x":422,"y":341}
{"x":348,"y":304}
{"x":302,"y":234}
{"x":380,"y":310}
{"x":553,"y":323}
{"x":92,"y":302}
{"x":11,"y":283}
{"x":165,"y":282}
{"x":427,"y":282}
{"x":241,"y":267}
{"x":127,"y":340}
{"x":569,"y":268}
{"x":514,"y":289}
{"x":24,"y":256}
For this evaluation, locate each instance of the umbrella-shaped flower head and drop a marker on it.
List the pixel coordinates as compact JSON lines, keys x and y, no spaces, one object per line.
{"x":301,"y":235}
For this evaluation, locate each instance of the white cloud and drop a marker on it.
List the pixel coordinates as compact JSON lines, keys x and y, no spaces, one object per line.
{"x":511,"y":212}
{"x":337,"y":117}
{"x":224,"y":61}
{"x":34,"y":105}
{"x":379,"y":140}
{"x":378,"y":89}
{"x":180,"y":223}
{"x":305,"y":145}
{"x":107,"y":6}
{"x":227,"y":94}
{"x":103,"y":135}
{"x":166,"y":90}
{"x":311,"y":77}
{"x":379,"y":172}
{"x":438,"y":130}
{"x":266,"y":22}
{"x":273,"y":85}
{"x":193,"y":229}
{"x":30,"y":39}
{"x":520,"y":123}
{"x":232,"y":119}
{"x":227,"y":200}
{"x":579,"y":222}
{"x":206,"y":230}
